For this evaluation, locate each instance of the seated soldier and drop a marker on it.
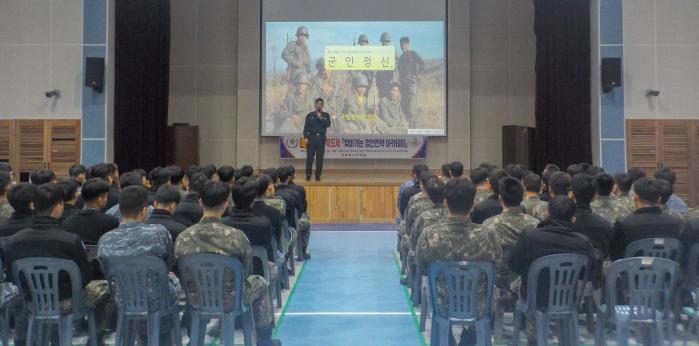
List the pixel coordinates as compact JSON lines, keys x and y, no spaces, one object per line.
{"x":558,"y":185}
{"x":42,"y":176}
{"x":260,"y":208}
{"x":457,"y":239}
{"x":545,"y":176}
{"x":70,"y":196}
{"x":304,"y":224}
{"x":133,"y":178}
{"x":648,"y":221}
{"x":604,"y":204}
{"x":479,"y":177}
{"x":410,"y":188}
{"x":674,"y":202}
{"x":435,"y":213}
{"x":456,"y":169}
{"x":78,"y":172}
{"x":532,"y":189}
{"x":166,"y":200}
{"x":6,"y":209}
{"x":416,"y":205}
{"x":90,"y":223}
{"x":211,"y":236}
{"x":189,"y":211}
{"x":491,"y":206}
{"x":20,"y":198}
{"x":666,"y":192}
{"x":179,"y":179}
{"x":108,"y":172}
{"x":158,"y":177}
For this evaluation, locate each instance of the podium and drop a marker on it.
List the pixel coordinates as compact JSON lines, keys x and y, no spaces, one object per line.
{"x":183,"y":145}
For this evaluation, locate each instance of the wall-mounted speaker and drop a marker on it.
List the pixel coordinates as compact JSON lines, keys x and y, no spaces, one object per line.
{"x":94,"y":74}
{"x":611,"y":73}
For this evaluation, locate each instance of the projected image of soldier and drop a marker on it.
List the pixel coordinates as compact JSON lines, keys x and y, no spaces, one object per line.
{"x":409,"y":67}
{"x":296,"y":54}
{"x":363,"y":40}
{"x":355,"y":109}
{"x":326,"y":85}
{"x":297,"y":103}
{"x":391,"y":113}
{"x":383,"y":79}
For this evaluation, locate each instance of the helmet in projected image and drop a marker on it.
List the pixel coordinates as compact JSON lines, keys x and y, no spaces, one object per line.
{"x":302,"y":31}
{"x":301,"y":78}
{"x":363,"y":39}
{"x":360,"y":80}
{"x":385,"y":37}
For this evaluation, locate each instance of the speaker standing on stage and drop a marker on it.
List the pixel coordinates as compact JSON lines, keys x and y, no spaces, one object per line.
{"x":317,"y":123}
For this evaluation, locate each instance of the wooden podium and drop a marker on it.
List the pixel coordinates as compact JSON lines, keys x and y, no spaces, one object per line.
{"x":183,"y":145}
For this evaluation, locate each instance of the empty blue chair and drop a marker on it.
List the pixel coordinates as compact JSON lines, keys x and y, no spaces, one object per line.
{"x":654,"y":247}
{"x":139,"y":285}
{"x":275,"y":287}
{"x":565,"y":271}
{"x":646,"y":284}
{"x":41,"y":276}
{"x":203,"y":279}
{"x":461,"y":281}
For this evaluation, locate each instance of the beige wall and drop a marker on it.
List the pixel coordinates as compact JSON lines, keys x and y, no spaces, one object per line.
{"x":215,"y":81}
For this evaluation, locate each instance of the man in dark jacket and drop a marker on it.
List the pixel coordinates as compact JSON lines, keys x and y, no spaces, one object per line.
{"x":189,"y":211}
{"x":20,"y":198}
{"x":491,"y":206}
{"x":70,"y":188}
{"x":647,"y":221}
{"x":260,"y":208}
{"x":595,"y":227}
{"x":90,"y":223}
{"x":166,"y":200}
{"x":290,"y":196}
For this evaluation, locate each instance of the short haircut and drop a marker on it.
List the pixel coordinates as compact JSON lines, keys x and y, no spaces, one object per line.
{"x":488,"y":166}
{"x":5,"y":167}
{"x":5,"y":181}
{"x":515,"y":170}
{"x":418,"y":168}
{"x":70,"y":189}
{"x":130,"y":179}
{"x":197,"y":182}
{"x":559,"y":183}
{"x":284,"y":173}
{"x":435,"y":190}
{"x":636,"y":173}
{"x":646,"y":190}
{"x":532,"y":182}
{"x":167,"y":194}
{"x":424,"y":177}
{"x":511,"y":191}
{"x":594,"y":170}
{"x":583,"y":187}
{"x":141,"y":173}
{"x":561,"y":208}
{"x":132,"y":200}
{"x":479,"y":175}
{"x":459,"y":194}
{"x":46,"y":197}
{"x":445,"y":171}
{"x":263,"y":182}
{"x":95,"y":187}
{"x":666,"y":174}
{"x":208,"y":170}
{"x":42,"y":176}
{"x":664,"y":190}
{"x":319,"y":100}
{"x":574,"y":169}
{"x":76,"y":170}
{"x":20,"y":197}
{"x":101,"y":170}
{"x":226,"y":173}
{"x":272,"y":173}
{"x":245,"y":171}
{"x":158,"y":177}
{"x":604,"y":184}
{"x":244,"y":193}
{"x":548,"y":171}
{"x":214,"y":194}
{"x":176,"y":174}
{"x":404,"y":39}
{"x":494,"y":179}
{"x":191,"y":171}
{"x":623,"y":182}
{"x":456,"y":169}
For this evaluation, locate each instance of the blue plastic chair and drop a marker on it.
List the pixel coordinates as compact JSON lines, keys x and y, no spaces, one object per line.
{"x":139,"y":285}
{"x":691,"y":285}
{"x":654,"y":247}
{"x":565,"y":272}
{"x":275,"y":287}
{"x":41,"y":276}
{"x":203,"y":280}
{"x":290,"y":235}
{"x":647,"y":283}
{"x":462,"y":281}
{"x":6,"y":307}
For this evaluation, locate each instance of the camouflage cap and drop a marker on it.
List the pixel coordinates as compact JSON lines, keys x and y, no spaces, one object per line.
{"x":360,"y":80}
{"x":385,"y":37}
{"x":301,"y":78}
{"x":362,"y":39}
{"x":302,"y":31}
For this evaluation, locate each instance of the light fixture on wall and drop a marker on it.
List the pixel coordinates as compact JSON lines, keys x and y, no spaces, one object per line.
{"x":652,"y":93}
{"x":53,"y":93}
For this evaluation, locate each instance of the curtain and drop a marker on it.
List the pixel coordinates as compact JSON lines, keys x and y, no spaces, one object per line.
{"x":142,"y":61}
{"x":563,"y":119}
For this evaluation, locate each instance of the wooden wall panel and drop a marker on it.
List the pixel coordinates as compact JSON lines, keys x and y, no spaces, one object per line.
{"x":642,"y":145}
{"x":31,"y":145}
{"x":379,"y":203}
{"x":352,"y":202}
{"x":64,"y":146}
{"x":675,"y":152}
{"x":345,"y":203}
{"x":318,"y":202}
{"x":7,"y":141}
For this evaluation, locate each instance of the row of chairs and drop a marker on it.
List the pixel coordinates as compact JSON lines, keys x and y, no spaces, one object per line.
{"x":638,"y":292}
{"x":140,"y":286}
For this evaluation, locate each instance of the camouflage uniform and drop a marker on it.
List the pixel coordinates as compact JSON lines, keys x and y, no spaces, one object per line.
{"x":692,"y":213}
{"x":296,"y":105}
{"x":328,"y":89}
{"x":276,"y":203}
{"x":435,"y":213}
{"x":356,"y":106}
{"x":296,"y":55}
{"x":456,"y":239}
{"x":383,"y":79}
{"x":6,"y":211}
{"x":417,"y":204}
{"x":626,"y":202}
{"x":608,"y":208}
{"x":507,"y":227}
{"x":210,"y":236}
{"x":481,"y":195}
{"x":529,"y":203}
{"x":540,"y":210}
{"x":391,"y":113}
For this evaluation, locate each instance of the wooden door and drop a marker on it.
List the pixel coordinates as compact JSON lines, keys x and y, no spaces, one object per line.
{"x":643,"y":143}
{"x":64,"y":145}
{"x":31,"y":147}
{"x":7,"y":141}
{"x":694,"y":198}
{"x":675,"y":153}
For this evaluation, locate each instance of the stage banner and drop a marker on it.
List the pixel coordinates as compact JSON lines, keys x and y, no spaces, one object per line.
{"x":388,"y":147}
